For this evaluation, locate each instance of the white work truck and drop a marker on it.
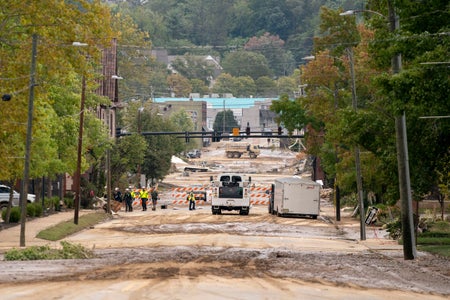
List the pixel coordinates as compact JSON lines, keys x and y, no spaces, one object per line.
{"x":230,"y":191}
{"x":294,"y":196}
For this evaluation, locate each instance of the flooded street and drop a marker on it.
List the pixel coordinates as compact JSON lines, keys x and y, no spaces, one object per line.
{"x":175,"y":253}
{"x":180,"y":254}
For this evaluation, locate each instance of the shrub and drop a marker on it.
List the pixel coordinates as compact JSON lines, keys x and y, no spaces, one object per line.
{"x":68,"y":201}
{"x":56,"y":203}
{"x":68,"y":251}
{"x":31,"y":210}
{"x":394,"y":228}
{"x":14,"y":217}
{"x":37,"y":209}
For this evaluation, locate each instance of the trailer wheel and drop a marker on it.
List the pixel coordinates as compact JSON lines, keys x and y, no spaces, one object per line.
{"x":230,"y":154}
{"x":236,"y":155}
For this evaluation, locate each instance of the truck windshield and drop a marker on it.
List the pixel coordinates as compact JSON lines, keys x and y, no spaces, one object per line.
{"x":231,"y":192}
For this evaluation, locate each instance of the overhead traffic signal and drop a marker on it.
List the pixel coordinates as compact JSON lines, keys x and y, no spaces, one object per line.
{"x":118,"y":132}
{"x":247,"y":129}
{"x":280,"y":130}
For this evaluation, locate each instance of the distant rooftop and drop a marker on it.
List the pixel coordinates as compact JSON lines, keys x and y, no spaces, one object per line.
{"x":229,"y":103}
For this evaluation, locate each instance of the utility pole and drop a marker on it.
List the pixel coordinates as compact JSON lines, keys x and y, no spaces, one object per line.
{"x":409,"y":247}
{"x":26,"y":168}
{"x":79,"y":150}
{"x":108,"y":162}
{"x":359,"y":191}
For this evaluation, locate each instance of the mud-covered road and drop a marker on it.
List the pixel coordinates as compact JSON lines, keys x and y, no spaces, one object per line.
{"x":175,"y":253}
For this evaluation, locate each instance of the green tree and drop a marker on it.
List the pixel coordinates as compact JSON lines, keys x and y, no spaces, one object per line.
{"x":199,"y":86}
{"x":266,"y":87}
{"x":225,"y":83}
{"x":280,"y":61}
{"x":179,"y":85}
{"x":58,"y":86}
{"x":246,"y":86}
{"x":246,"y":63}
{"x":290,"y":113}
{"x":287,"y":85}
{"x":225,"y":121}
{"x":193,"y":67}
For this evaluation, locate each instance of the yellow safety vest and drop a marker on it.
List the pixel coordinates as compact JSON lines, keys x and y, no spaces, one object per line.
{"x":144,"y":194}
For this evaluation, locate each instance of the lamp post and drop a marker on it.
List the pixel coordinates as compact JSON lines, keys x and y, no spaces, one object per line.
{"x":77,"y":177}
{"x":409,"y":249}
{"x":79,"y":149}
{"x":140,"y":110}
{"x":108,"y":154}
{"x":26,"y":168}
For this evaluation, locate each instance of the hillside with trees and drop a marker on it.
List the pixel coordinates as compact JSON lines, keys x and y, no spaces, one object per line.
{"x":250,"y":38}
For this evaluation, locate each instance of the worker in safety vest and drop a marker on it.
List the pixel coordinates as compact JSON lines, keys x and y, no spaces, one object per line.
{"x":136,"y":193}
{"x":191,"y":199}
{"x":144,"y":198}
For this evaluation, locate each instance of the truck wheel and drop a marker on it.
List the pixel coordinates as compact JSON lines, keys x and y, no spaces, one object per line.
{"x":230,"y":154}
{"x":252,"y":155}
{"x":236,"y":155}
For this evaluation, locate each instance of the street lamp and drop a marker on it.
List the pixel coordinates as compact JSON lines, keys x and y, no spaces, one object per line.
{"x":409,"y":249}
{"x":140,"y":110}
{"x":108,"y":154}
{"x":77,"y":177}
{"x":354,"y":12}
{"x":26,"y":168}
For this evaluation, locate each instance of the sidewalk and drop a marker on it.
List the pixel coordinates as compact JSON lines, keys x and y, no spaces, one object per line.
{"x":10,"y":237}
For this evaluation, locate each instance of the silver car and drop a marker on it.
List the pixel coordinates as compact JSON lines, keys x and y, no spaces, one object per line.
{"x":4,"y":197}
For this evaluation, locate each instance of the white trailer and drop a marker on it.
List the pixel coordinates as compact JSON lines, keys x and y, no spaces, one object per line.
{"x":294,"y":196}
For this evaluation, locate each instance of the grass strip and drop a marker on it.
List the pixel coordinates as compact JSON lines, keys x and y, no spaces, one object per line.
{"x":67,"y":228}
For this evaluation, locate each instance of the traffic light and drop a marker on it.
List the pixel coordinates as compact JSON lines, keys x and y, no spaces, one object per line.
{"x":280,"y":130}
{"x":118,"y":132}
{"x":186,"y":137}
{"x":216,"y":136}
{"x":247,"y":129}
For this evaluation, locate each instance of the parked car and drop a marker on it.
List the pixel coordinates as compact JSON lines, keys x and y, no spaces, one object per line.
{"x":4,"y":197}
{"x":194,"y":153}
